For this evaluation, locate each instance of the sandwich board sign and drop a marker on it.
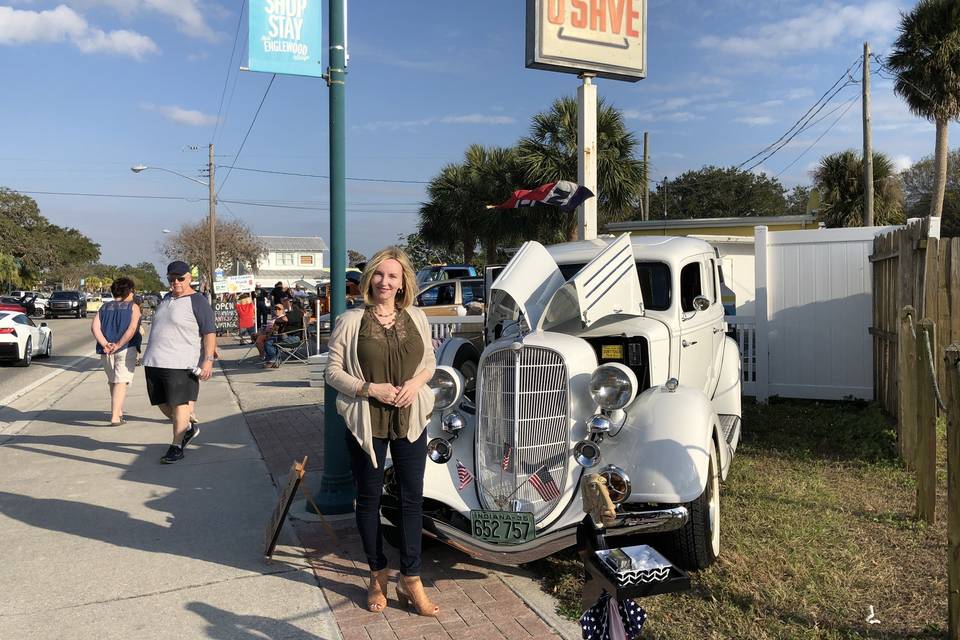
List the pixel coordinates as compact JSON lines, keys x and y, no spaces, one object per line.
{"x":606,"y":38}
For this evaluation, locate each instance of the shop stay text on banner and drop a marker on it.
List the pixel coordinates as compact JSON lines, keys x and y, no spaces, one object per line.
{"x":285,"y":36}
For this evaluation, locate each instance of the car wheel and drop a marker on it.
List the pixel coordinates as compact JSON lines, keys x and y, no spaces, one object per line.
{"x":697,"y":544}
{"x":27,"y":354}
{"x":48,"y":350}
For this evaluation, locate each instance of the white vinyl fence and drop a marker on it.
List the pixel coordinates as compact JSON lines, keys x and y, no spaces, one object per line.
{"x":441,"y":327}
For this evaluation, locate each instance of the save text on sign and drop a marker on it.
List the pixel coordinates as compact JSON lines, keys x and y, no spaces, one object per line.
{"x":615,"y":17}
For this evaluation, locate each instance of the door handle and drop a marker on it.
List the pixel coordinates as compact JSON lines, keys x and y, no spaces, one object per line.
{"x":689,"y":344}
{"x":717,"y":329}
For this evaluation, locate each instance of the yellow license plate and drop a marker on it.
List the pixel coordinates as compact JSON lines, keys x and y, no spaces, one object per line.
{"x":612,"y":351}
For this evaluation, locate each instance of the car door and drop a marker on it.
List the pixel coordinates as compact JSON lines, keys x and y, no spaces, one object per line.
{"x":697,"y":362}
{"x":439,"y":299}
{"x":27,"y":329}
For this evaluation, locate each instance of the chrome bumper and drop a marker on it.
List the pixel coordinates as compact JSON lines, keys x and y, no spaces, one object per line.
{"x":658,"y":521}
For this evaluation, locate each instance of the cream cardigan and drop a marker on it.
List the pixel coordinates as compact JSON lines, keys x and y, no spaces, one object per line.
{"x":344,"y":375}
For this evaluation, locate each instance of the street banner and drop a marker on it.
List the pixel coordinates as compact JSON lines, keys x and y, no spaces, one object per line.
{"x":234,"y":284}
{"x":565,"y":195}
{"x":285,"y":36}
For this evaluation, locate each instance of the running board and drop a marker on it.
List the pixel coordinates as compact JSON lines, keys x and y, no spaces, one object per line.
{"x":730,"y":427}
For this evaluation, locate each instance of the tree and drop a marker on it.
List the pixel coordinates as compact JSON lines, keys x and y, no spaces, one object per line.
{"x":798,"y":200}
{"x":9,"y":272}
{"x":926,"y":60}
{"x":235,"y":243}
{"x":549,"y":154}
{"x":919,"y":182}
{"x":423,"y":253}
{"x":719,"y":192}
{"x":839,"y":179}
{"x":355,"y":257}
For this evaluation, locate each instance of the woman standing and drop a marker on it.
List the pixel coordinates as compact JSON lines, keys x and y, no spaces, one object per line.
{"x":116,"y":328}
{"x":381,"y":358}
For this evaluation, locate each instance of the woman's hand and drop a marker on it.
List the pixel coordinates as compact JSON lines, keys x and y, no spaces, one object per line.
{"x":407,"y":392}
{"x":384,"y":392}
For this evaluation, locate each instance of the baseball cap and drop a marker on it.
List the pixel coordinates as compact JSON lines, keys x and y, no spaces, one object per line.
{"x":177,"y":268}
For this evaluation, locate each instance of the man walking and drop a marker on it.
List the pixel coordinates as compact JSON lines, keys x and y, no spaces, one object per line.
{"x":180,"y":353}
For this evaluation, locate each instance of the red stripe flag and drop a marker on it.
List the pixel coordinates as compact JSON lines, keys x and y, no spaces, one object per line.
{"x":507,"y":449}
{"x":463,"y":475}
{"x":564,"y":195}
{"x":543,"y":482}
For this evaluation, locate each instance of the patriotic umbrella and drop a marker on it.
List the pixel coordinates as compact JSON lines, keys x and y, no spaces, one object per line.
{"x":612,"y":620}
{"x":564,"y":195}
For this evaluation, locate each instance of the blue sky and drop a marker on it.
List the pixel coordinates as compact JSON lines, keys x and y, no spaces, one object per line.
{"x":91,"y":87}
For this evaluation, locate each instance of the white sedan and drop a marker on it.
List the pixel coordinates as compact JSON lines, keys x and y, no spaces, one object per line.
{"x":21,"y":338}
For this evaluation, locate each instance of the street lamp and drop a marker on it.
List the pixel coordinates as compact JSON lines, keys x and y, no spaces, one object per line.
{"x":138,"y":168}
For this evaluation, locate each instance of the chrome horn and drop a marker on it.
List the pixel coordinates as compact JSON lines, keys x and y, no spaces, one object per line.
{"x":587,"y":453}
{"x":439,"y":450}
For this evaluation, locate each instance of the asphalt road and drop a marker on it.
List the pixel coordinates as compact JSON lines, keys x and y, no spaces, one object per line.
{"x":73,"y":348}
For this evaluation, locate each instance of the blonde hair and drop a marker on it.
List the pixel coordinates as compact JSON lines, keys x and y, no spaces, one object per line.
{"x":408,"y":291}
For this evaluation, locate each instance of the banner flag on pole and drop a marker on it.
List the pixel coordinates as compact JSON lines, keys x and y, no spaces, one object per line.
{"x":285,"y":36}
{"x":564,"y":195}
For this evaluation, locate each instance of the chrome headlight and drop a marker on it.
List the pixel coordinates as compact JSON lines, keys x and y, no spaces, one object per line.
{"x":74,"y":303}
{"x":447,"y":385}
{"x":618,"y":483}
{"x":613,"y":386}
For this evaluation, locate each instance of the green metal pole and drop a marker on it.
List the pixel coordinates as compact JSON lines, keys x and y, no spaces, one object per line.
{"x":336,"y":485}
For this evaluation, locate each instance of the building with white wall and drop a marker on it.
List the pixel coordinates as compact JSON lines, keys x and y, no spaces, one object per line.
{"x":289,"y":259}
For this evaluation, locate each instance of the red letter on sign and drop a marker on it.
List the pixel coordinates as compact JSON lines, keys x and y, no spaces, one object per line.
{"x":578,"y":17}
{"x":555,"y":11}
{"x":615,"y":9}
{"x":598,"y":15}
{"x":632,"y":16}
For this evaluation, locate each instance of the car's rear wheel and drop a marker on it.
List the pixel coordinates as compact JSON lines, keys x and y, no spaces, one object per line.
{"x":697,"y":544}
{"x":27,"y":354}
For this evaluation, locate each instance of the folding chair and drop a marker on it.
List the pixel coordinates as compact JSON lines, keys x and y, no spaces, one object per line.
{"x":291,"y":345}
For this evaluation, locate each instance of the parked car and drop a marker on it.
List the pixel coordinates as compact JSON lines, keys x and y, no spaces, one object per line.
{"x":21,"y":339}
{"x":29,"y":302}
{"x":434,"y":272}
{"x":64,"y":303}
{"x":452,"y":297}
{"x":604,"y":357}
{"x":94,"y":302}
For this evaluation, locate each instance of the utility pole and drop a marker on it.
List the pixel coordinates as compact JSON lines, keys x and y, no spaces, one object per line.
{"x":587,"y":155}
{"x":336,"y":484}
{"x":664,"y":197}
{"x":867,"y":142}
{"x":646,"y":176}
{"x":213,"y":222}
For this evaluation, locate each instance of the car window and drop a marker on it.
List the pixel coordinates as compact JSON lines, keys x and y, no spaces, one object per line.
{"x":22,"y":319}
{"x":690,"y":286}
{"x":64,"y":295}
{"x":709,"y":269}
{"x":473,"y":292}
{"x":654,"y":282}
{"x":458,"y":273}
{"x":440,"y":294}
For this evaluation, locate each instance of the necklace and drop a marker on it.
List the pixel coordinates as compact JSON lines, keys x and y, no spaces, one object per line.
{"x":384,"y":315}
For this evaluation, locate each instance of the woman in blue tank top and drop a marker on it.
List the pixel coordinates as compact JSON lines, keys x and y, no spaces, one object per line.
{"x":117,"y":330}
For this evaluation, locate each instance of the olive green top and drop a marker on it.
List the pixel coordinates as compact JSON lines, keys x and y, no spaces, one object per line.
{"x":389,"y":355}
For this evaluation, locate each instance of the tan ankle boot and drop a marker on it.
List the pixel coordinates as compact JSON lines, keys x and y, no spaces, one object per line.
{"x":377,"y":591}
{"x":410,"y":589}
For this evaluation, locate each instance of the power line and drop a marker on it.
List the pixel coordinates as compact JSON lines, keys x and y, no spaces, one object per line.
{"x":316,"y":175}
{"x":226,"y":80}
{"x":850,"y":103}
{"x":249,"y":129}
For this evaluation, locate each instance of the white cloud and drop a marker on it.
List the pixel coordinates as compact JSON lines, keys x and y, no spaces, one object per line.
{"x":755,"y":121}
{"x":796,"y":94}
{"x":769,"y":104}
{"x":660,"y":116}
{"x":902,"y":163}
{"x":470,"y":118}
{"x":187,"y":14}
{"x":815,"y":29}
{"x":180,"y":115}
{"x":64,"y":24}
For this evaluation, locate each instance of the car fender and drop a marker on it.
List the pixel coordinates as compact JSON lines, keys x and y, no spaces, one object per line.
{"x":664,"y":445}
{"x":726,"y":400}
{"x":447,"y":353}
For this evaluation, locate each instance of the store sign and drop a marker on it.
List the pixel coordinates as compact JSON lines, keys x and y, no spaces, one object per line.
{"x":605,"y":37}
{"x":285,"y":36}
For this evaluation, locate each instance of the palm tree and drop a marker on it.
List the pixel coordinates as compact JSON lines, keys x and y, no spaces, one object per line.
{"x":839,"y":179}
{"x":9,"y":271}
{"x":445,"y":218}
{"x":549,"y":154}
{"x":926,"y":60}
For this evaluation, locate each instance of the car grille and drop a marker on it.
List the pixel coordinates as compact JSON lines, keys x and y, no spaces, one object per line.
{"x":522,"y":396}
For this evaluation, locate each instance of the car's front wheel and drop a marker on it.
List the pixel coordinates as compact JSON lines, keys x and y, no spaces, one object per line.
{"x":697,"y":544}
{"x":27,"y":354}
{"x":48,"y":350}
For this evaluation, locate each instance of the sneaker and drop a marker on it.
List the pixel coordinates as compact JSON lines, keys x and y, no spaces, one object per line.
{"x":190,"y":434}
{"x":173,"y":454}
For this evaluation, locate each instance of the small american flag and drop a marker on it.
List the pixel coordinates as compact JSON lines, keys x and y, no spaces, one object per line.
{"x":543,"y":482}
{"x":507,"y":450}
{"x":464,"y":475}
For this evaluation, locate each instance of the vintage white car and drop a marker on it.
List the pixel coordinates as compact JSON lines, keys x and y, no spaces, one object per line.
{"x":606,"y":357}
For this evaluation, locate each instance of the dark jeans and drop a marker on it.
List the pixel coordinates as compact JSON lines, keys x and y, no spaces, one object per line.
{"x":270,"y":347}
{"x":409,"y":463}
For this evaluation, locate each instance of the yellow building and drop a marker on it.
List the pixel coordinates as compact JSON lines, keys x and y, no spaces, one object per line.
{"x":712,"y":226}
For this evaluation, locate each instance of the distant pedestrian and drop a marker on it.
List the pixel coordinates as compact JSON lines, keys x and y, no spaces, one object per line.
{"x":180,"y":353}
{"x":245,"y":318}
{"x":263,"y":306}
{"x":277,"y":295}
{"x":116,"y":328}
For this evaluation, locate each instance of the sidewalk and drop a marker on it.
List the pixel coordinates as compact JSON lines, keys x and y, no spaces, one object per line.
{"x":101,"y":541}
{"x":476,"y":600}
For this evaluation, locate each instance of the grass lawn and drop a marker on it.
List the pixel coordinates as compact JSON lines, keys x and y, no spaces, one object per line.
{"x":816,"y":526}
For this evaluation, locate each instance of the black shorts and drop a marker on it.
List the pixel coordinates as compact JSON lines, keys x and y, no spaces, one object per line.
{"x":171,"y":386}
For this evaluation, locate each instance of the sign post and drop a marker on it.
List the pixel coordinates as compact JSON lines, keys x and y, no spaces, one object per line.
{"x":590,"y":39}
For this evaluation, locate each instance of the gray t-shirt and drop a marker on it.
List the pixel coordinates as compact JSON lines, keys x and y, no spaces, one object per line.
{"x":177,"y":330}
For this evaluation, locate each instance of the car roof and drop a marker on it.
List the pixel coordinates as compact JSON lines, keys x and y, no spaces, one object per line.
{"x":664,"y":248}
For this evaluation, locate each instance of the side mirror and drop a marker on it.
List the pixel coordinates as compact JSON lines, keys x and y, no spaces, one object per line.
{"x":701,"y":303}
{"x":43,"y":324}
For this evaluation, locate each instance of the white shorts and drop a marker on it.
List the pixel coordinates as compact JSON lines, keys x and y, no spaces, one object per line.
{"x":120,"y":366}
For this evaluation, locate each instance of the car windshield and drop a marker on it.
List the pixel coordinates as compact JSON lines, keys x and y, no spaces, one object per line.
{"x":65,"y":295}
{"x":654,"y":282}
